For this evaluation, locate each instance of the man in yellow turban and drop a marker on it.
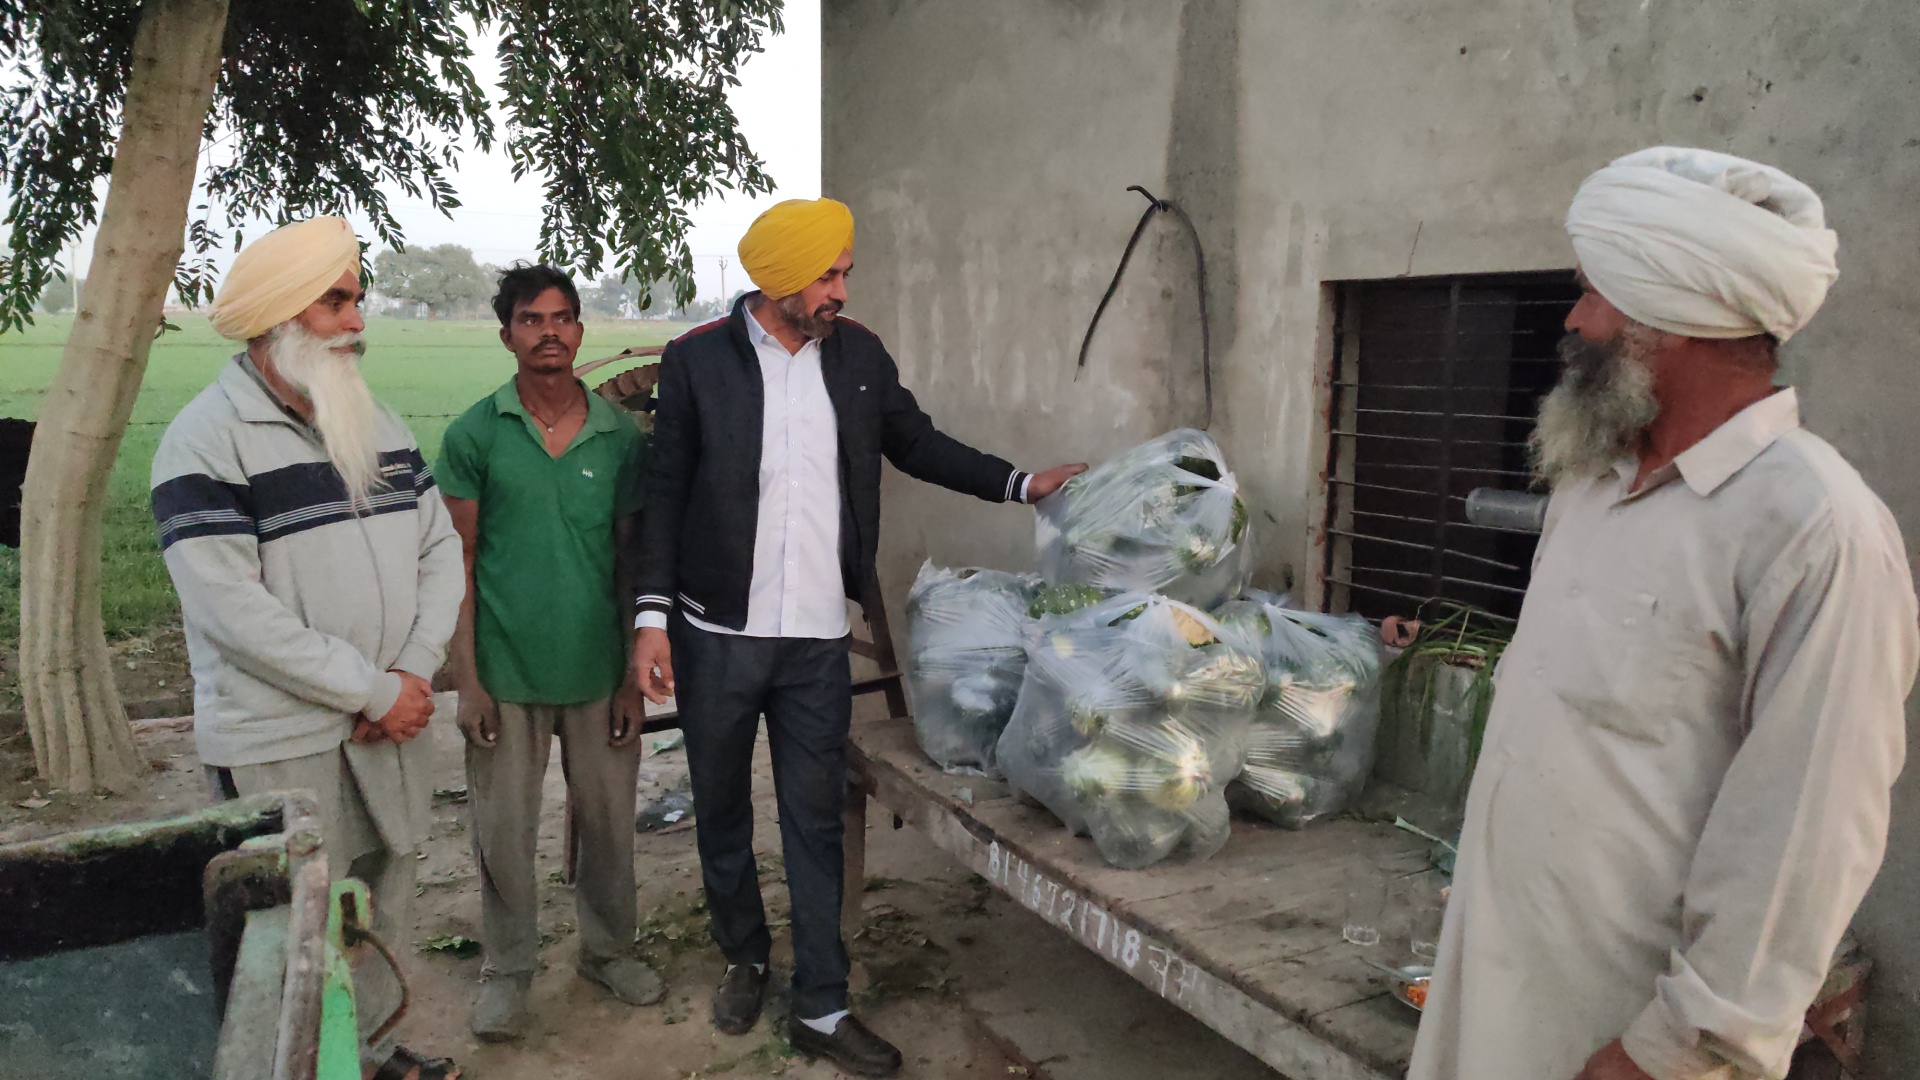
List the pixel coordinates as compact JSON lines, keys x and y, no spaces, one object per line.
{"x":795,"y":244}
{"x":319,"y":576}
{"x":762,"y":519}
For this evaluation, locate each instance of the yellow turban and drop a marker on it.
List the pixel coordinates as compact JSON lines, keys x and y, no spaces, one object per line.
{"x":278,"y":275}
{"x":791,"y":245}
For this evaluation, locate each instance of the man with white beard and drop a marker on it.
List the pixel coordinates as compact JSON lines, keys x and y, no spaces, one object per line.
{"x":319,"y":578}
{"x":1684,"y":788}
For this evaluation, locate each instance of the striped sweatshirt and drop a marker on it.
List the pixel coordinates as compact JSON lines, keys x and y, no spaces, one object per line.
{"x":297,"y":609}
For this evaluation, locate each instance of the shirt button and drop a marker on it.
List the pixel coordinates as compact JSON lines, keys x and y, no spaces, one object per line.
{"x":1573,"y":590}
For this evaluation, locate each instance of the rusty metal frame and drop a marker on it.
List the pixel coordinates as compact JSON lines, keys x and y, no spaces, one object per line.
{"x":1447,"y":570}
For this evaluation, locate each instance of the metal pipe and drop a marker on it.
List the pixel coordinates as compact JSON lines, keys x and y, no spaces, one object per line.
{"x":1508,"y":511}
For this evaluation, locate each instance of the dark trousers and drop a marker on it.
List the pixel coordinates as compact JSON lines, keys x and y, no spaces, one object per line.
{"x":723,"y":684}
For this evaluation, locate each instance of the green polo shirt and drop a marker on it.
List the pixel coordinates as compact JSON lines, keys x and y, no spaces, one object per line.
{"x":548,"y":629}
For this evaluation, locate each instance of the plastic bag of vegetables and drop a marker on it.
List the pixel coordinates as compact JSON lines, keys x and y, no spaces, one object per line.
{"x":1164,"y":517}
{"x":963,"y":634}
{"x":1312,"y":740}
{"x":1132,"y":718}
{"x":1066,"y":599}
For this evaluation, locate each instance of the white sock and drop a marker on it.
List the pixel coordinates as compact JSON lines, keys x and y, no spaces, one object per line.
{"x":825,"y":1024}
{"x":758,"y":969}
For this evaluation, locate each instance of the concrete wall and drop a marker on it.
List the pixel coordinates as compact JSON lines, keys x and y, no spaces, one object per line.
{"x":985,"y":146}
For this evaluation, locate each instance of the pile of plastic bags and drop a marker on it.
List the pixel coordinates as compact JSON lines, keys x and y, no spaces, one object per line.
{"x":1312,"y":740}
{"x":1105,"y":690}
{"x":1131,"y":720}
{"x":1164,"y":517}
{"x":964,"y":627}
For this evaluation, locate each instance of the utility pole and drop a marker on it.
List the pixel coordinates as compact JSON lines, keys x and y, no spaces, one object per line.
{"x":723,"y":286}
{"x":73,"y":274}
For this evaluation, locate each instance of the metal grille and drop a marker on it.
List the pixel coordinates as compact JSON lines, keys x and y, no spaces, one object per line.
{"x":1436,"y":385}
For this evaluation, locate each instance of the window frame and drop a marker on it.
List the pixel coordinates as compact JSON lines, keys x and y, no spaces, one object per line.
{"x":1462,"y":564}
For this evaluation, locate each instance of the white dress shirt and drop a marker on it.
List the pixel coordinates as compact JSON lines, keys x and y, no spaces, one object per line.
{"x":1684,"y":790}
{"x":797,"y":591}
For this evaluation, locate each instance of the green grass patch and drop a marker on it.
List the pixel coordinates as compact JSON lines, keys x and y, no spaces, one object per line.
{"x":430,"y":372}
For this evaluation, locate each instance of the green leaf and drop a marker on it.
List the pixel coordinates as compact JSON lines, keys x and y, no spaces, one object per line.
{"x":453,"y":945}
{"x":618,"y":111}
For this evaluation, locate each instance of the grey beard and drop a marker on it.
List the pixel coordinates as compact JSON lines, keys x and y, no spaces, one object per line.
{"x":1595,"y":415}
{"x":344,"y":411}
{"x":811,"y":323}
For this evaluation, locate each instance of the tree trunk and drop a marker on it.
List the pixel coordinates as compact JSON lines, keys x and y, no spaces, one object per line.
{"x":80,"y":735}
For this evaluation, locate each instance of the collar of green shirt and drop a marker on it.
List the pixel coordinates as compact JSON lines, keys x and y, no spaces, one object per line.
{"x":601,"y":416}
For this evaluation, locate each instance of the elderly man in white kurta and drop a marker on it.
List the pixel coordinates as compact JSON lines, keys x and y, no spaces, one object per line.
{"x":1683,"y":793}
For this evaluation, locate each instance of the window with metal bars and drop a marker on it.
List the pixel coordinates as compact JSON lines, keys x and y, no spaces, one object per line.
{"x":1436,"y":384}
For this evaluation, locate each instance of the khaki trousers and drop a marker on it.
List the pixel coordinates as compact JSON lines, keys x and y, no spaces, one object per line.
{"x":504,"y":783}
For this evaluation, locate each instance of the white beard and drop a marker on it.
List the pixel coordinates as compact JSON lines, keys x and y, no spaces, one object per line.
{"x":344,"y":411}
{"x":1594,"y":416}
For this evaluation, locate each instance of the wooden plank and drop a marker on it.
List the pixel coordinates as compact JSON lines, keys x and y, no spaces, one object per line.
{"x":1378,"y":1021}
{"x":853,"y":855}
{"x":297,"y":1036}
{"x":247,"y":1032}
{"x":1076,"y":860}
{"x":1350,"y":874}
{"x":1023,"y":859}
{"x":1318,"y":988}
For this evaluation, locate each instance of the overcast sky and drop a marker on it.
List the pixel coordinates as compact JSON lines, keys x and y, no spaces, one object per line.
{"x":778,"y":103}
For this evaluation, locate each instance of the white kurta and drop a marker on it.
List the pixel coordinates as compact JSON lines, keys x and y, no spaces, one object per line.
{"x":1683,"y":792}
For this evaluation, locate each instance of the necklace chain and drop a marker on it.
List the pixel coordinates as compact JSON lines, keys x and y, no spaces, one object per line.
{"x":551,"y":424}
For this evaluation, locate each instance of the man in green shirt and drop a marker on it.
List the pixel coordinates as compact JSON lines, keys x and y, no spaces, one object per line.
{"x":542,"y":480}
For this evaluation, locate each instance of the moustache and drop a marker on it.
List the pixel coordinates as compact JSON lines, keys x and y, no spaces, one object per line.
{"x":1585,"y":360}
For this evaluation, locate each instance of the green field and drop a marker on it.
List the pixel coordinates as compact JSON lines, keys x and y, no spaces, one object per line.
{"x":428,"y":371}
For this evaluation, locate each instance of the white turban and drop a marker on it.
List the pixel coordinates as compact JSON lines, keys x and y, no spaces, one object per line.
{"x":1704,"y":244}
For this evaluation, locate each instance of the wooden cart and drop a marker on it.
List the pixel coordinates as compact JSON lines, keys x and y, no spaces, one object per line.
{"x":1257,"y":942}
{"x":1250,"y":942}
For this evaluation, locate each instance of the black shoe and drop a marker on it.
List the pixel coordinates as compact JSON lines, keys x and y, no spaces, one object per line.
{"x":851,"y":1047}
{"x":736,"y":1004}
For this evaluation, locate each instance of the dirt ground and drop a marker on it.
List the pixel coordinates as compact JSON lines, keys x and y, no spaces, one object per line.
{"x":906,"y":976}
{"x":151,"y":673}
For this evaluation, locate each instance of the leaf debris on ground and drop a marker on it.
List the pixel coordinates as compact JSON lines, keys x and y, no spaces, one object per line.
{"x":454,"y":945}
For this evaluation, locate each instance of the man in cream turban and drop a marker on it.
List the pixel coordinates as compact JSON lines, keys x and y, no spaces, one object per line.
{"x":319,"y":577}
{"x":762,"y":519}
{"x":1683,"y":791}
